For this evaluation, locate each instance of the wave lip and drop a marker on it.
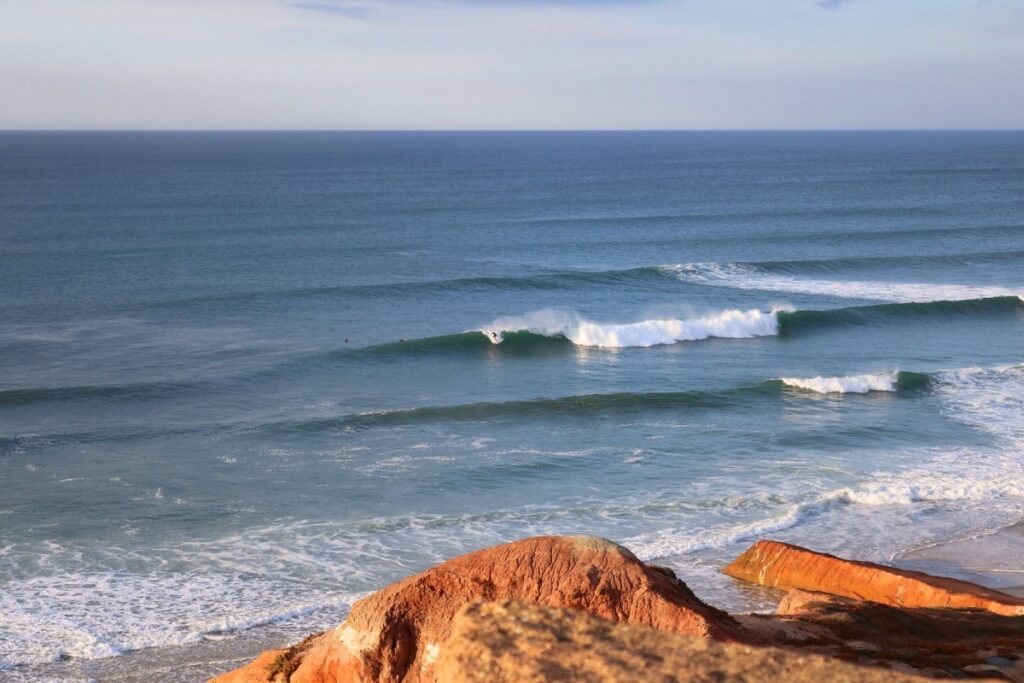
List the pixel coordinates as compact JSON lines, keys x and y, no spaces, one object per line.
{"x":728,"y":324}
{"x":750,"y":277}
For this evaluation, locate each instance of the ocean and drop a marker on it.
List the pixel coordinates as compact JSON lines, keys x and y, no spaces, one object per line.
{"x":247,"y":378}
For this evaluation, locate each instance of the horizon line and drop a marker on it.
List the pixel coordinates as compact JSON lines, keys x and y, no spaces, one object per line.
{"x":512,"y":130}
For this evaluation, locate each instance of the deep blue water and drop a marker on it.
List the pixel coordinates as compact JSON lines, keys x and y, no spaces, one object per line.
{"x":251,"y":376}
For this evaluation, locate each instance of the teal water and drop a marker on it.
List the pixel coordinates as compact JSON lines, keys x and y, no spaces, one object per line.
{"x":247,"y":377}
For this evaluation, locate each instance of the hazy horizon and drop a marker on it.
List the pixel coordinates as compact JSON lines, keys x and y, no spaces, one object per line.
{"x":511,"y":130}
{"x":502,"y":65}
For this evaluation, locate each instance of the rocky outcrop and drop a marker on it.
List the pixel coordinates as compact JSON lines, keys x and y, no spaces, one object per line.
{"x":398,"y":633}
{"x":788,"y":567}
{"x":937,"y":642}
{"x":511,"y":642}
{"x":582,"y":608}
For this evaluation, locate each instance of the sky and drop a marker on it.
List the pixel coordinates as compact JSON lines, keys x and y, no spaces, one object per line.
{"x":511,"y":64}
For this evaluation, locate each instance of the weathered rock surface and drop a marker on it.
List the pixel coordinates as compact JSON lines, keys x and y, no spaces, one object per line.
{"x":784,"y":566}
{"x":396,"y":634}
{"x":938,"y":642}
{"x":511,"y":642}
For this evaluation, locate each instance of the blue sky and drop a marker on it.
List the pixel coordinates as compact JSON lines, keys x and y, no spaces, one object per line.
{"x":511,"y":64}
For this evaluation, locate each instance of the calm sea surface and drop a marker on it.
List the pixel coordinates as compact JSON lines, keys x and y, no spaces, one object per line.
{"x":246,"y":378}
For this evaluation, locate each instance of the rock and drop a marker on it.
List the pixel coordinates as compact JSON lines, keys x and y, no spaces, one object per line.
{"x":266,"y":662}
{"x":512,"y":642}
{"x":947,"y":640}
{"x":984,"y":669}
{"x":396,"y":634}
{"x":784,"y":566}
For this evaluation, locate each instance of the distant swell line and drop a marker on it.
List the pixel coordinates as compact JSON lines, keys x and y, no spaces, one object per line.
{"x":574,"y":405}
{"x":141,"y":391}
{"x":642,"y":276}
{"x":618,"y":403}
{"x":768,"y":275}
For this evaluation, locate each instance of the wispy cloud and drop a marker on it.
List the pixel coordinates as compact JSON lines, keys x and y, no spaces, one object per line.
{"x":832,"y":4}
{"x":350,"y":11}
{"x":362,"y":11}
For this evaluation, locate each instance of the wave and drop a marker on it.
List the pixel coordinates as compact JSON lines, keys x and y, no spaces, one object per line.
{"x":553,"y":330}
{"x":774,"y":276}
{"x":728,"y":324}
{"x":142,"y":391}
{"x":620,"y":402}
{"x":638,"y":277}
{"x":794,"y":321}
{"x":860,"y":384}
{"x":748,"y":276}
{"x":831,"y":265}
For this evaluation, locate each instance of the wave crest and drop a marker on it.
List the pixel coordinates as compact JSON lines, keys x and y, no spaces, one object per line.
{"x":749,"y":277}
{"x":851,"y":384}
{"x":728,"y":324}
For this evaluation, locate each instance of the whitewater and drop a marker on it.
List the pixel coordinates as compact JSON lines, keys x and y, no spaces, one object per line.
{"x":728,"y":324}
{"x":750,"y":277}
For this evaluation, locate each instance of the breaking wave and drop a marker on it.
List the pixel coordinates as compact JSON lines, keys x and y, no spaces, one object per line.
{"x":728,"y":324}
{"x":859,"y":384}
{"x":555,"y":330}
{"x":752,"y":277}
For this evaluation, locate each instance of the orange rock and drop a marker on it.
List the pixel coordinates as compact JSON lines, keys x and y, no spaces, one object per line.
{"x":784,"y":566}
{"x":954,"y":641}
{"x":513,"y":642}
{"x":397,"y":633}
{"x":266,"y":662}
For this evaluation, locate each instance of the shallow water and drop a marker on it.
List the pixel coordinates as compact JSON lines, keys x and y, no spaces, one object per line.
{"x":246,"y":378}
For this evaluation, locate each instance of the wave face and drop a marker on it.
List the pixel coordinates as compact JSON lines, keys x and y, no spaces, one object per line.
{"x":751,"y":277}
{"x":729,"y":324}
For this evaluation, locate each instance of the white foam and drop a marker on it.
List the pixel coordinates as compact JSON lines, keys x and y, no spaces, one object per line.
{"x":988,"y":478}
{"x":851,"y":384}
{"x":102,"y":614}
{"x":987,"y":399}
{"x":947,"y":485}
{"x":728,"y":324}
{"x":748,"y":277}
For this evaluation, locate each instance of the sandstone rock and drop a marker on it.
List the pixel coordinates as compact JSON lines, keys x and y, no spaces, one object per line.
{"x":784,"y":566}
{"x":511,"y":642}
{"x":397,"y":633}
{"x":936,"y":640}
{"x":266,"y":662}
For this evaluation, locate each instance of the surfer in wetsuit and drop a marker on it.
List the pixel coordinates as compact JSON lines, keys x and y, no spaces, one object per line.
{"x":494,"y":336}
